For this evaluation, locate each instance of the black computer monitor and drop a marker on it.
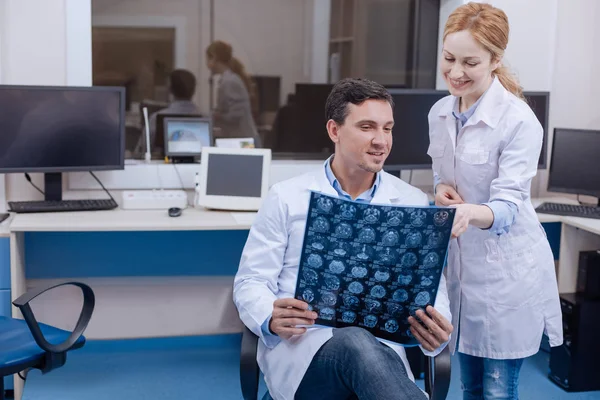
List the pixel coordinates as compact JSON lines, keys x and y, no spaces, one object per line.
{"x":307,"y":135}
{"x":411,"y":128}
{"x":184,"y":137}
{"x":52,"y":129}
{"x":574,"y":162}
{"x":540,"y":104}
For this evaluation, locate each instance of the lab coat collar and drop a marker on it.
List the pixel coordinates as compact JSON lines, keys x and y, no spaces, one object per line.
{"x":487,"y":111}
{"x":385,"y":193}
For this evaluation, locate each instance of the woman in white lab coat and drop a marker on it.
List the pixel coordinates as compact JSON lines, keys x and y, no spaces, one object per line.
{"x":485,"y":142}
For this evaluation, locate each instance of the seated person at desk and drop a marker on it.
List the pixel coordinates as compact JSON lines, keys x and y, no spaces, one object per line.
{"x":182,"y":85}
{"x":321,"y":362}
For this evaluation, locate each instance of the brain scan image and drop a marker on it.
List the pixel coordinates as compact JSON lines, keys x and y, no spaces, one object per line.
{"x":390,"y":238}
{"x":409,"y":260}
{"x":367,"y":235}
{"x":395,"y":217}
{"x":371,"y":265}
{"x":413,"y":239}
{"x":404,"y":279}
{"x":422,"y":299}
{"x":391,"y":326}
{"x":314,"y":260}
{"x":440,"y":218}
{"x":351,"y":301}
{"x":359,"y":272}
{"x":318,"y":243}
{"x":387,"y":257}
{"x":325,"y":205}
{"x":371,"y":215}
{"x":337,"y":267}
{"x":431,"y":260}
{"x":347,"y":211}
{"x":378,"y":291}
{"x":308,"y":295}
{"x":394,"y":309}
{"x":327,"y":313}
{"x":364,"y":252}
{"x":341,"y":248}
{"x":343,"y":230}
{"x":370,"y":321}
{"x":382,"y":274}
{"x":332,"y":283}
{"x":329,"y":299}
{"x":348,"y":317}
{"x":310,"y":276}
{"x":372,"y":306}
{"x":418,"y":218}
{"x":400,"y":295}
{"x":425,"y":281}
{"x":436,"y":239}
{"x":355,"y":287}
{"x":321,"y":225}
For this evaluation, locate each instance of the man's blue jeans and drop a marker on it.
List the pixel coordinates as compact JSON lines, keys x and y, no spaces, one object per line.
{"x":353,"y":364}
{"x":484,"y":378}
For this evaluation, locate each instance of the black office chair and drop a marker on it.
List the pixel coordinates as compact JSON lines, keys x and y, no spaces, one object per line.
{"x":437,"y":373}
{"x":29,"y":344}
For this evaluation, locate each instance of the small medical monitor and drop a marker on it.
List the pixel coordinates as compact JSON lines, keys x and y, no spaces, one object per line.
{"x":234,"y":179}
{"x":186,"y":136}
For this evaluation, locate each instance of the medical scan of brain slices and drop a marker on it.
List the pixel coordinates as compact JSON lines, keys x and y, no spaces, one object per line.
{"x":371,"y":265}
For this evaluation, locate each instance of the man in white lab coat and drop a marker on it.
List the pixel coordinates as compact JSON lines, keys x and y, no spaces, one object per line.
{"x":301,"y":361}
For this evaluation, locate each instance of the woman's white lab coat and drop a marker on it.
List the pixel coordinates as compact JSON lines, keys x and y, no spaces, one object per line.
{"x":269,"y":270}
{"x":502,"y":288}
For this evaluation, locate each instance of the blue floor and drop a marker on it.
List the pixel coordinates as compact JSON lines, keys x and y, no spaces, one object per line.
{"x":200,"y":368}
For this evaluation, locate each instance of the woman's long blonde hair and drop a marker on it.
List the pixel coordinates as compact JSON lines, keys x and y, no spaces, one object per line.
{"x":489,"y":26}
{"x":223,"y":52}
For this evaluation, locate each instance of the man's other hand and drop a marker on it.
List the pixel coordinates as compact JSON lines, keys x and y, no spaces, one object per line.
{"x":288,"y":314}
{"x":433,"y":330}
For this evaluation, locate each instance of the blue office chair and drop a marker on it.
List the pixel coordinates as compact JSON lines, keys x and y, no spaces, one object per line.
{"x":26,"y":344}
{"x":437,"y":373}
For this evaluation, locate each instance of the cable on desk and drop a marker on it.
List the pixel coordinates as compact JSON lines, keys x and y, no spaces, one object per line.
{"x":33,"y":184}
{"x":96,"y":178}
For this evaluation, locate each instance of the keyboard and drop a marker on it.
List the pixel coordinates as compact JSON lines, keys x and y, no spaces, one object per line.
{"x":61,"y":205}
{"x":569,"y":210}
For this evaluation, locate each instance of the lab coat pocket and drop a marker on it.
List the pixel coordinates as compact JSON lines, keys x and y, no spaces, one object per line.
{"x":512,"y":270}
{"x":436,"y":152}
{"x":473,"y":163}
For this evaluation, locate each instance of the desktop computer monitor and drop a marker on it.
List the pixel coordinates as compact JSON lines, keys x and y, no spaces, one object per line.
{"x":574,"y":162}
{"x":233,"y":179}
{"x":411,"y":128}
{"x":185,"y":137}
{"x":539,"y":102}
{"x":53,"y":129}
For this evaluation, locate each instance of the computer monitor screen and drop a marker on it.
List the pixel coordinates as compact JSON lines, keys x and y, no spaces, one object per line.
{"x":411,"y":128}
{"x":185,"y":136}
{"x":57,"y":129}
{"x":574,"y":163}
{"x":540,"y":104}
{"x":304,"y":132}
{"x":234,"y":179}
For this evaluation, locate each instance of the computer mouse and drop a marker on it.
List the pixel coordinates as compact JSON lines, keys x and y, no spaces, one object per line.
{"x":174,"y":212}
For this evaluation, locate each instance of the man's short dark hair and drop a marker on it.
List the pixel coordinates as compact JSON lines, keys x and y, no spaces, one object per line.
{"x":183,"y":84}
{"x":355,"y":91}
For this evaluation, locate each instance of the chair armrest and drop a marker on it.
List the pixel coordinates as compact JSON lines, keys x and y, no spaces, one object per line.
{"x":249,"y":370}
{"x":84,"y":318}
{"x":437,"y":375}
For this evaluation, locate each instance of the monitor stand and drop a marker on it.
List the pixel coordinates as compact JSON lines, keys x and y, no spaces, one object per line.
{"x":53,"y":186}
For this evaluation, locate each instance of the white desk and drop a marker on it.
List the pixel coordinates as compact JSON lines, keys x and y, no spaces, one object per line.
{"x":114,"y":220}
{"x":577,"y":234}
